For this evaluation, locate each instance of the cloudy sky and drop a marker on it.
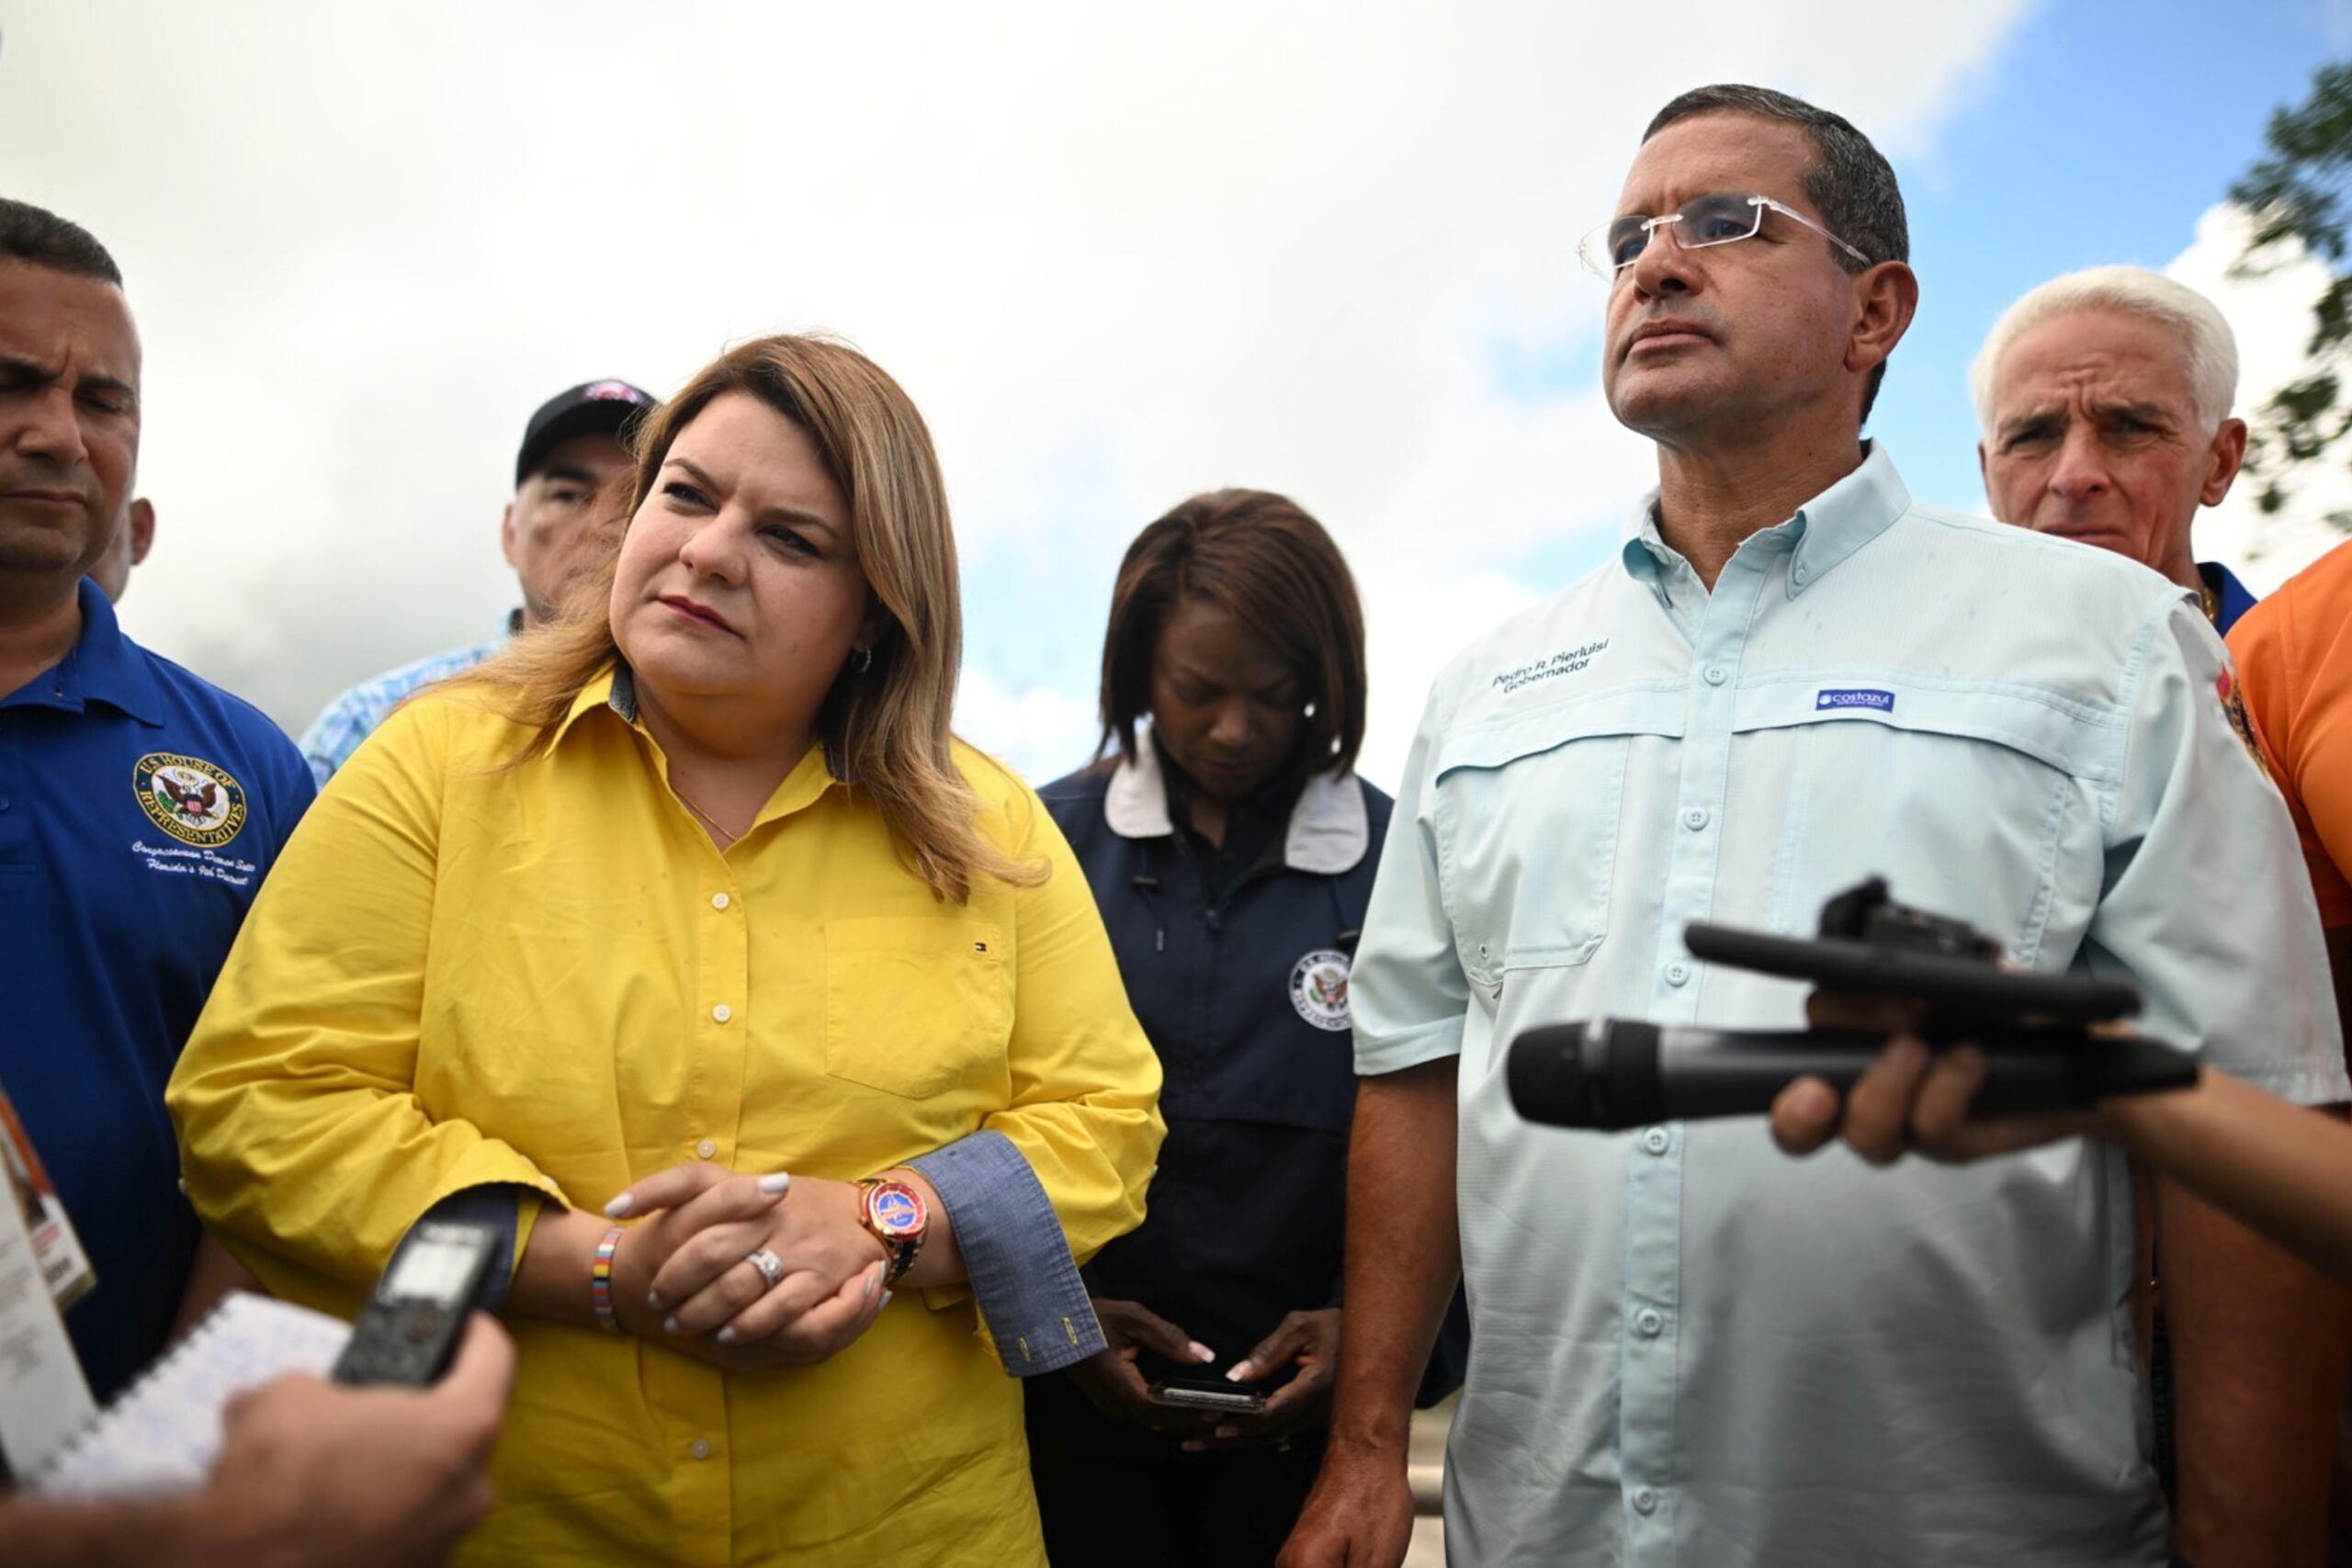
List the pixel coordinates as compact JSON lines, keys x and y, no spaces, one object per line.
{"x":1117,"y":253}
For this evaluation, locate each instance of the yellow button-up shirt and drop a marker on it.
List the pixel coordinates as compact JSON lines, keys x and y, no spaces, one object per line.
{"x":459,"y":973}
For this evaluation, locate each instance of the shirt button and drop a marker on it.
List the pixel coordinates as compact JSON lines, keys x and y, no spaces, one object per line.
{"x":4,"y":803}
{"x":1676,"y":972}
{"x":720,"y":1014}
{"x":1695,"y":818}
{"x":1650,"y":1324}
{"x":1800,"y":574}
{"x":707,"y":1149}
{"x":719,"y":900}
{"x":1717,"y":674}
{"x":699,"y":1448}
{"x":1645,"y":1500}
{"x":1656,"y":1140}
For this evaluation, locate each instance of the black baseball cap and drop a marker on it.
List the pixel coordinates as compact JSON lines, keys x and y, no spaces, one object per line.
{"x":593,"y":407}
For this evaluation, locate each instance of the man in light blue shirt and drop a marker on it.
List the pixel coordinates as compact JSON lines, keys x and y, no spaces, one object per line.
{"x":571,"y":447}
{"x":1685,"y":1347}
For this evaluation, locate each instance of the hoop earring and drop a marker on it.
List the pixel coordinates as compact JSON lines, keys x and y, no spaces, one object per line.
{"x":864,"y":661}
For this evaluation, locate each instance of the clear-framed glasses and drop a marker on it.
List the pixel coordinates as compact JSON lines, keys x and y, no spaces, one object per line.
{"x":1704,"y":220}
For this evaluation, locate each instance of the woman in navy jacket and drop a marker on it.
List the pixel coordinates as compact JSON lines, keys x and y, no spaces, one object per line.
{"x":1231,"y":849}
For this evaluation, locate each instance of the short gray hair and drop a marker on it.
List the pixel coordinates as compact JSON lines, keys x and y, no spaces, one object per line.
{"x":2206,"y":345}
{"x":1850,"y":183}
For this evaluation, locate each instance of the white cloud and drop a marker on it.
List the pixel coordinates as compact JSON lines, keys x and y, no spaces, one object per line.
{"x":1039,"y":731}
{"x":2270,"y":315}
{"x":1426,"y":622}
{"x":1118,"y":254}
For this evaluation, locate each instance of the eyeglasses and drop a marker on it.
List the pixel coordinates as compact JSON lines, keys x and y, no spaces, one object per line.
{"x":1705,"y":221}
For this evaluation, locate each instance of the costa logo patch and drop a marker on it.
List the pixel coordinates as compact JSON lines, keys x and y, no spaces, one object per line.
{"x":1866,"y":697}
{"x":195,"y":801}
{"x":1319,"y":989}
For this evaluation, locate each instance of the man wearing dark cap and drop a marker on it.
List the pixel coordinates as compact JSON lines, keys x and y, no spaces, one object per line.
{"x":571,"y":447}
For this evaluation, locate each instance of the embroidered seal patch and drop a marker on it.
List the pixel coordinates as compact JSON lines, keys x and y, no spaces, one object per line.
{"x":193,"y":800}
{"x":1319,"y":988}
{"x":2234,"y":709}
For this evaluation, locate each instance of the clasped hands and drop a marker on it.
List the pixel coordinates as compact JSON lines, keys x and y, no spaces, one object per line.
{"x":682,"y":1275}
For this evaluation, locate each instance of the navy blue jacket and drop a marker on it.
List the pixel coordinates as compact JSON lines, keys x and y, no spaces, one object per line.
{"x":1242,"y":993}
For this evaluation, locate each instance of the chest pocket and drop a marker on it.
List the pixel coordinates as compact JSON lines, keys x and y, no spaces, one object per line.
{"x":1527,"y":815}
{"x":1979,"y":805}
{"x":916,"y":1006}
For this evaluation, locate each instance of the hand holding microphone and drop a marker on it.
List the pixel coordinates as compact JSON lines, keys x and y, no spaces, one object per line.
{"x":2040,"y":1038}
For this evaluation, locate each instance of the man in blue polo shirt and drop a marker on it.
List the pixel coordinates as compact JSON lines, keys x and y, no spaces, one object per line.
{"x":140,"y":807}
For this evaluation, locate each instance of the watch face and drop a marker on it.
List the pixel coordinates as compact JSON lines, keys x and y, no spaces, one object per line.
{"x":896,"y":1208}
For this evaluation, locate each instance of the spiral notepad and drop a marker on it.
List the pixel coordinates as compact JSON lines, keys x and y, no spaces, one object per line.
{"x":164,"y":1433}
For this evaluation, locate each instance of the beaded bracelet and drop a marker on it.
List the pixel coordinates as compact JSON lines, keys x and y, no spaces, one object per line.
{"x":600,"y":1280}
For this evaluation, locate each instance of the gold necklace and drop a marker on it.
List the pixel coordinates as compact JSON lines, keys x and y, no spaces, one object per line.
{"x":2210,"y":600}
{"x":714,"y":824}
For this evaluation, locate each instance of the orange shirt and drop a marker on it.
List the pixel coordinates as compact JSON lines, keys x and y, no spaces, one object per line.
{"x":2294,"y":657}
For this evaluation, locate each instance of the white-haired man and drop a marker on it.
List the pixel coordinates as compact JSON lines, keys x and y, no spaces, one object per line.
{"x":2104,"y":398}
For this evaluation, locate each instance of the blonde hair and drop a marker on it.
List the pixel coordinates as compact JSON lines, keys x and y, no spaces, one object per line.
{"x":885,"y":729}
{"x":2209,"y":351}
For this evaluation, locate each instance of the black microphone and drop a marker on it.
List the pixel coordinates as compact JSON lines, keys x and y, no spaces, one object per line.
{"x":1611,"y":1074}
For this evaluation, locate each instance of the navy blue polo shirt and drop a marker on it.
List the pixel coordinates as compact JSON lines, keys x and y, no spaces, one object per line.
{"x":139,"y":807}
{"x":2231,"y":597}
{"x":1238,"y":975}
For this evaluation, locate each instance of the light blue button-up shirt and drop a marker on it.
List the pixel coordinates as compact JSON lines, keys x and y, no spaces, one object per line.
{"x":1688,"y":1349}
{"x":355,"y":716}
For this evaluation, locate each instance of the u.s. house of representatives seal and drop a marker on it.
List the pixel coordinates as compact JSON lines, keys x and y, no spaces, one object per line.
{"x":1319,"y":988}
{"x":195,"y":801}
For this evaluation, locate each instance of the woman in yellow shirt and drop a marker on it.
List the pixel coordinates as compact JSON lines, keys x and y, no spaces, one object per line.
{"x":688,"y":910}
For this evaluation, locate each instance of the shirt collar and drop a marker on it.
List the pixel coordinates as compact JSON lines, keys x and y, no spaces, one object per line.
{"x":615,"y":687}
{"x":615,"y":691}
{"x":1825,"y":530}
{"x":105,"y":666}
{"x":1329,"y":827}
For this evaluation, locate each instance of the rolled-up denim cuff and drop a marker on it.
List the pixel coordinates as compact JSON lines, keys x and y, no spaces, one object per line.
{"x":1033,"y":1303}
{"x":500,"y":1208}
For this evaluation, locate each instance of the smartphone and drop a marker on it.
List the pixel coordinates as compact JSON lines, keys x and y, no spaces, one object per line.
{"x":1208,"y":1394}
{"x":408,"y":1331}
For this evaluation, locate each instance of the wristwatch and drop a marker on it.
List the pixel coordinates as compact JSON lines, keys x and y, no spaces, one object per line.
{"x":898,"y":1218}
